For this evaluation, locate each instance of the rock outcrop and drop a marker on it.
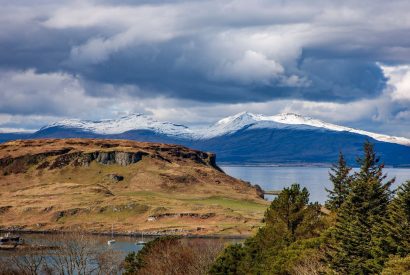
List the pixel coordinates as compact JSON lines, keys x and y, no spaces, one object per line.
{"x":81,"y":153}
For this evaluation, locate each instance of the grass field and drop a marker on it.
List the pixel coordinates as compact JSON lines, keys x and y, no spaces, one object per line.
{"x":179,"y":196}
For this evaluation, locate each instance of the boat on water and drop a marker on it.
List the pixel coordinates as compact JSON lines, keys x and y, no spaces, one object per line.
{"x":141,"y":242}
{"x":112,"y":241}
{"x":10,"y":241}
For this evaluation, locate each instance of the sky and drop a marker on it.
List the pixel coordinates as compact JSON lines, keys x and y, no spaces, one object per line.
{"x":194,"y":62}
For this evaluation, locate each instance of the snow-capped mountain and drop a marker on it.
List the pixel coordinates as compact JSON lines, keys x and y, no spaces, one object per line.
{"x":247,"y":120}
{"x":225,"y":126}
{"x":123,"y":124}
{"x":244,"y":138}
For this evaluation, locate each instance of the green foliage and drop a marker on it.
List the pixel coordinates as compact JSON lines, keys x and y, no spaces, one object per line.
{"x":229,"y":261}
{"x":289,"y":218}
{"x":371,"y":170}
{"x":397,"y":225}
{"x":355,"y":243}
{"x":287,"y":258}
{"x":370,"y":232}
{"x":397,"y":266}
{"x":135,"y":261}
{"x":341,"y":180}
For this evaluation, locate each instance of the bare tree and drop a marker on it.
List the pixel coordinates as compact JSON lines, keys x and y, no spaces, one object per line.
{"x":181,"y":256}
{"x":81,"y":254}
{"x":65,"y":254}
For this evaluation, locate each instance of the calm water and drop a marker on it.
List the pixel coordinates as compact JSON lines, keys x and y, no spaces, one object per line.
{"x":316,"y":179}
{"x":123,"y":244}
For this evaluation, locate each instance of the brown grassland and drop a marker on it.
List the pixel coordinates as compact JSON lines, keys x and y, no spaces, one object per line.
{"x":91,"y":184}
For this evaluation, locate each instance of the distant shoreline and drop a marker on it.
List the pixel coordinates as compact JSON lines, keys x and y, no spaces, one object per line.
{"x":296,"y":165}
{"x":123,"y":234}
{"x":319,"y":165}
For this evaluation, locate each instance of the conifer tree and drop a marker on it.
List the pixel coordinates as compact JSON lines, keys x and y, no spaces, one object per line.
{"x":341,"y":180}
{"x":353,"y":248}
{"x":397,"y":225}
{"x":371,"y":170}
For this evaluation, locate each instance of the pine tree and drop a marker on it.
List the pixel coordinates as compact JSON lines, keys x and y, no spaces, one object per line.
{"x":292,"y":214}
{"x":353,"y":247}
{"x":350,"y":247}
{"x":397,"y":225}
{"x":341,"y":180}
{"x":371,"y":170}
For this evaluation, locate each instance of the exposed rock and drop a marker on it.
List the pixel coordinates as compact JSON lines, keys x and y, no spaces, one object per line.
{"x":4,"y":209}
{"x":22,"y":163}
{"x":48,"y":209}
{"x":69,"y":212}
{"x":43,"y":165}
{"x":115,"y":177}
{"x":79,"y":154}
{"x":181,"y":215}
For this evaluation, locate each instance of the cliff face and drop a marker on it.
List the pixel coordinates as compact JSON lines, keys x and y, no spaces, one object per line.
{"x":58,"y":184}
{"x":19,"y":156}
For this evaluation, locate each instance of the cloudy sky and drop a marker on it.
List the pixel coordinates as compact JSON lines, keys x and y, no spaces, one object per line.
{"x":194,"y":62}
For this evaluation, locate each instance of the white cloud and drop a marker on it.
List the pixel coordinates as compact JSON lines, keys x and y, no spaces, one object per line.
{"x":252,"y":67}
{"x":398,"y":81}
{"x":29,"y":92}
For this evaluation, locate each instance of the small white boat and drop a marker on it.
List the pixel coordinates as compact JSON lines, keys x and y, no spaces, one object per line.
{"x":141,"y":242}
{"x":112,"y":241}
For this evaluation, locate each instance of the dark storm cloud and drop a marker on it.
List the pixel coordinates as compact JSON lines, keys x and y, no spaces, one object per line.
{"x":186,"y":52}
{"x":88,"y":58}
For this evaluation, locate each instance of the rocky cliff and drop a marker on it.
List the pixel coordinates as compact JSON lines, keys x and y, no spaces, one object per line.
{"x":18,"y":156}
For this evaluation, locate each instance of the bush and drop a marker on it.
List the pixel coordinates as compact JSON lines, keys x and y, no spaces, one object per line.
{"x":397,"y":266}
{"x":174,"y":255}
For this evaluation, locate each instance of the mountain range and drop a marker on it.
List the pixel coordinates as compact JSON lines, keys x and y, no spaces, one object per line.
{"x":244,"y":138}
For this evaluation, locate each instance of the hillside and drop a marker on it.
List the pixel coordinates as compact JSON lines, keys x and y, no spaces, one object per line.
{"x":63,"y":184}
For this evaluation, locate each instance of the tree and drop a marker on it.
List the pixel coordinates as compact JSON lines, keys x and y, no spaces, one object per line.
{"x":341,"y":180}
{"x":397,"y":225}
{"x":174,"y":255}
{"x":136,"y":261}
{"x":397,"y":265}
{"x":353,"y":248}
{"x":229,"y":261}
{"x":289,"y":218}
{"x":371,"y":170}
{"x":291,"y":214}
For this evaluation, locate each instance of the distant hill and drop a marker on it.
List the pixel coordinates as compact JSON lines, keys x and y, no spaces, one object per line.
{"x":244,"y":138}
{"x":93,"y":184}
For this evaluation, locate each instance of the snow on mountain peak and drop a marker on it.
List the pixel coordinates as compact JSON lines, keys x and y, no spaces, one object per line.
{"x":245,"y":119}
{"x":126,"y":123}
{"x":228,"y":125}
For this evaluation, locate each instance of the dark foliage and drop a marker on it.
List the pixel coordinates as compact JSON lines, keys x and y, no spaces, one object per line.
{"x":341,"y":180}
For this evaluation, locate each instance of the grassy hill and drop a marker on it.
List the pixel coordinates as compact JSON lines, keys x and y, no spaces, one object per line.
{"x":92,"y":184}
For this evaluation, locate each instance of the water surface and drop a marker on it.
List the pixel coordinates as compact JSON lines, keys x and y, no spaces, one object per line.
{"x":315,"y":179}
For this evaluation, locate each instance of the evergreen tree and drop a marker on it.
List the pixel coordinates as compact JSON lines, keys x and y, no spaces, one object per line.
{"x":289,"y":218}
{"x":397,"y":225}
{"x":291,"y":214}
{"x":229,"y":261}
{"x":371,"y":170}
{"x":357,"y":231}
{"x":341,"y":180}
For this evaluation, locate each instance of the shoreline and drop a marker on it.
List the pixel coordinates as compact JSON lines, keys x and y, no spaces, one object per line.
{"x":123,"y":234}
{"x":299,"y":165}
